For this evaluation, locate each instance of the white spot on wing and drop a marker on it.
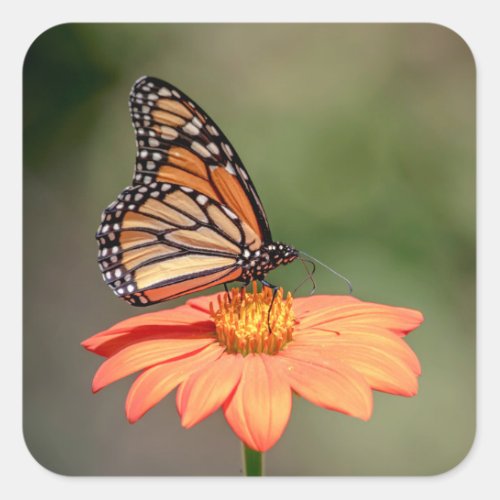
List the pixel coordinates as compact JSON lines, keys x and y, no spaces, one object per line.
{"x":202,"y":150}
{"x":212,"y":130}
{"x":243,"y":173}
{"x":231,"y":214}
{"x":213,"y":148}
{"x":190,"y":129}
{"x":227,"y":149}
{"x":168,"y":133}
{"x":230,"y":168}
{"x":164,"y":92}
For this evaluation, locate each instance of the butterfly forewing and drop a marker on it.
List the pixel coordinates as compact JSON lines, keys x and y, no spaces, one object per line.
{"x":192,"y":218}
{"x":160,"y":241}
{"x":178,"y":143}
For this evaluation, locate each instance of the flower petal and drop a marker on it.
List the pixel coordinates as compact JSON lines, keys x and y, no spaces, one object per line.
{"x":399,"y":320}
{"x":155,"y":383}
{"x":204,"y":391}
{"x":202,"y":303}
{"x":326,"y":382}
{"x":362,"y":336}
{"x":305,"y":306}
{"x":180,"y":322}
{"x":384,"y":360}
{"x":143,"y":355}
{"x":260,"y":407}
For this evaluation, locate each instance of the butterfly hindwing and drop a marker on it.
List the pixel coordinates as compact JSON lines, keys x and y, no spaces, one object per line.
{"x":178,"y":143}
{"x":161,"y":240}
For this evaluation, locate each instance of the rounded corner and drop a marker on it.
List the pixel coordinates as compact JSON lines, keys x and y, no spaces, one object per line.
{"x":460,"y":462}
{"x":41,"y":36}
{"x":33,"y":455}
{"x":461,"y":40}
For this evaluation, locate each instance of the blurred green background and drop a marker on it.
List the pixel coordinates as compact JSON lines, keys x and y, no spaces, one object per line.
{"x":360,"y":139}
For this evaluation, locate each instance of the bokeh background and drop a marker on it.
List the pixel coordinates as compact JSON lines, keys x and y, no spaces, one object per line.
{"x":360,"y":139}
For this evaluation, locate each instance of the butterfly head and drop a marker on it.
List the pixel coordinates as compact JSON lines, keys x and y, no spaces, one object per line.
{"x":257,"y":264}
{"x":280,"y":253}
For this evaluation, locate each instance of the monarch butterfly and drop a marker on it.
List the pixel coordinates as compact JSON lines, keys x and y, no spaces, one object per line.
{"x":192,"y":218}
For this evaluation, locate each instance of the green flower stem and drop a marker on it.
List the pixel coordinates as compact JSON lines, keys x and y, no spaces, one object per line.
{"x":252,"y":461}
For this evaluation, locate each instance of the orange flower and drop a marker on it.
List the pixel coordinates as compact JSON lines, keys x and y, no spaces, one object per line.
{"x":331,"y":350}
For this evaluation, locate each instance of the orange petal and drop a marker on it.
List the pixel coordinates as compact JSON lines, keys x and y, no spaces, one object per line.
{"x":303,"y":306}
{"x":384,"y":360}
{"x":259,"y":408}
{"x":204,"y":391}
{"x":399,"y":320}
{"x":362,"y":336}
{"x":155,"y":383}
{"x":202,"y":303}
{"x":143,"y":355}
{"x":326,"y":382}
{"x":180,"y":322}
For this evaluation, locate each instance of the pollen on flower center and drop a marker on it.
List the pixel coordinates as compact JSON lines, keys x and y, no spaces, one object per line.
{"x":245,"y":324}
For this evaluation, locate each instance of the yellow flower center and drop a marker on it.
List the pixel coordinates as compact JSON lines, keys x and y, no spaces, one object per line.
{"x":245,"y":323}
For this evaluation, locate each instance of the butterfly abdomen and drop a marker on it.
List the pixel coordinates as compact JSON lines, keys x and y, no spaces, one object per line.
{"x":255,"y":265}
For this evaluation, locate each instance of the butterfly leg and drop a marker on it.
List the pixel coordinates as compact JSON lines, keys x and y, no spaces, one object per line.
{"x":275,"y":290}
{"x":227,"y":292}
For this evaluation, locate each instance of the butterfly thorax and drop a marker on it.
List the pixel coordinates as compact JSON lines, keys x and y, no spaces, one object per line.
{"x":257,"y":264}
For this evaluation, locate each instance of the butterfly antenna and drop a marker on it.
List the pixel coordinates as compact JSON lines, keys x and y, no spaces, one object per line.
{"x":309,"y":275}
{"x":349,"y":285}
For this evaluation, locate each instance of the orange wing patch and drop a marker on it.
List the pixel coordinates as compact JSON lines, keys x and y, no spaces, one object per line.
{"x":165,"y":213}
{"x":182,"y":201}
{"x":134,"y":220}
{"x":181,"y":157}
{"x":183,"y":266}
{"x":130,"y":239}
{"x":167,"y":118}
{"x":174,"y":107}
{"x":138,"y":256}
{"x":203,"y":239}
{"x":235,"y":197}
{"x":191,"y":285}
{"x":182,"y":178}
{"x":224,"y":223}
